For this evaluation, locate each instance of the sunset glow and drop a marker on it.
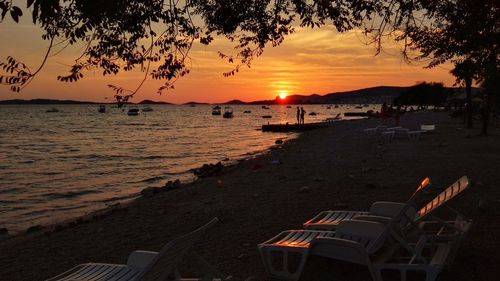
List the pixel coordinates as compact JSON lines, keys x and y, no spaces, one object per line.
{"x":318,"y":61}
{"x":283,"y":94}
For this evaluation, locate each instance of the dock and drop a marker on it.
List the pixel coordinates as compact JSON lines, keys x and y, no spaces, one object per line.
{"x":292,"y":127}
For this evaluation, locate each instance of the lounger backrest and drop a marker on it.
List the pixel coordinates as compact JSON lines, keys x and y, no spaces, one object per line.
{"x":443,"y":197}
{"x":366,"y":233}
{"x":162,"y":268}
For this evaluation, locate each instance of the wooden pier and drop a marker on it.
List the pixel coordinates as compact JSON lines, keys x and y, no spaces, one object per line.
{"x":293,"y":127}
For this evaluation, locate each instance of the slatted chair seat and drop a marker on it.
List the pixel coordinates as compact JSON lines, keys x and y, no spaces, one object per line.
{"x":100,"y":272}
{"x":141,"y":265}
{"x":328,"y":220}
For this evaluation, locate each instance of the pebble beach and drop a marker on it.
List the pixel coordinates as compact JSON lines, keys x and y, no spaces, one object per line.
{"x":337,"y":167}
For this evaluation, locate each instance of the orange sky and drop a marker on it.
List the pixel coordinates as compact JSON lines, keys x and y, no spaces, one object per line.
{"x":309,"y":61}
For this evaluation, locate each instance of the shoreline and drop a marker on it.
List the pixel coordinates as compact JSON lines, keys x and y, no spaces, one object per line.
{"x":262,"y":196}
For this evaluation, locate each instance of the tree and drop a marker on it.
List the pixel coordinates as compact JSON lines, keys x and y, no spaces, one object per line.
{"x":423,"y":94}
{"x":156,"y":35}
{"x":465,"y":72}
{"x":457,"y":31}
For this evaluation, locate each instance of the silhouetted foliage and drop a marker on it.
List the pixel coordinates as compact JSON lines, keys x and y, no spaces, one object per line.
{"x":423,"y":94}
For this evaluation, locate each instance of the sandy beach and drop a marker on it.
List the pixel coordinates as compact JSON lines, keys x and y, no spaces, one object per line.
{"x":331,"y":168}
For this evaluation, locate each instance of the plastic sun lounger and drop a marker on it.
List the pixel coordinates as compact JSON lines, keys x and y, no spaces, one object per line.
{"x":428,"y":128}
{"x":411,"y":258}
{"x":328,"y":220}
{"x":296,"y":243}
{"x":141,"y":265}
{"x":359,"y":241}
{"x":375,"y":131}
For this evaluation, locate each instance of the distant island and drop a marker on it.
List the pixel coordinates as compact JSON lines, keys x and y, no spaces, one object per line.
{"x":373,"y":95}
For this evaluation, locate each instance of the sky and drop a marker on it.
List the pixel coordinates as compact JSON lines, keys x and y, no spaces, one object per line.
{"x":310,"y":61}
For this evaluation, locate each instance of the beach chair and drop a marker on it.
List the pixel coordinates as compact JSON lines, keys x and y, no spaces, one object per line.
{"x":294,"y":244}
{"x":328,"y":220}
{"x":375,"y":131}
{"x":142,"y":265}
{"x":427,"y":128}
{"x":429,"y":253}
{"x":360,"y":239}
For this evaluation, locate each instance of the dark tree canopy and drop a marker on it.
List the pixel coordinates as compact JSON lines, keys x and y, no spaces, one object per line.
{"x":156,"y":36}
{"x":423,"y":94}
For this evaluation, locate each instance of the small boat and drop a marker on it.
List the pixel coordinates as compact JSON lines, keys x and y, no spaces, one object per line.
{"x":228,"y":112}
{"x":288,"y":106}
{"x":192,"y":105}
{"x":313,"y":113}
{"x":336,"y":106}
{"x":147,"y":109}
{"x":216,"y":110}
{"x":358,"y":107}
{"x":329,"y":107}
{"x":102,"y":109}
{"x":52,"y":110}
{"x":247,"y":111}
{"x":133,"y":111}
{"x":267,"y":116}
{"x":265,"y":107}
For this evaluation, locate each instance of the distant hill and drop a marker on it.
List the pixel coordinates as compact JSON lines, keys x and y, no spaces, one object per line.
{"x":153,"y":102}
{"x":235,"y":102}
{"x":194,"y":103}
{"x":45,"y":101}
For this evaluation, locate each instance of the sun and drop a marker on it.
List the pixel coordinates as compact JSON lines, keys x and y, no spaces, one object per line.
{"x":282,"y":94}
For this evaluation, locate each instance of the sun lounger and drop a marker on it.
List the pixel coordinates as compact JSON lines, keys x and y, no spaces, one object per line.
{"x":359,"y":241}
{"x":427,"y":128}
{"x":141,"y":265}
{"x":375,"y":131}
{"x":328,"y":220}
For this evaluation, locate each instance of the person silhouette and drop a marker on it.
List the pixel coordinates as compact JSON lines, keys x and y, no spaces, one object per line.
{"x":302,"y":114}
{"x":298,"y":115}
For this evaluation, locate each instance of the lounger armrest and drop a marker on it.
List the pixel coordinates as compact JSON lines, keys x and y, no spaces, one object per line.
{"x":141,"y":259}
{"x":379,"y":219}
{"x":340,"y":249}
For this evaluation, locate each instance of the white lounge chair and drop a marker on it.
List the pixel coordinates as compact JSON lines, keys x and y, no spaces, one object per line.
{"x":328,"y":220}
{"x":358,"y":241}
{"x":141,"y":265}
{"x":428,"y":128}
{"x":375,"y":131}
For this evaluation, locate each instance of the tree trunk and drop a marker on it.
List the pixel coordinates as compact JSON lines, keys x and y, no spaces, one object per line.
{"x":486,"y":114}
{"x":468,"y":92}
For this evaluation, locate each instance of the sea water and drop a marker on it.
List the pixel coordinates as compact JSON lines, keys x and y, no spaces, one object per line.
{"x":57,"y":165}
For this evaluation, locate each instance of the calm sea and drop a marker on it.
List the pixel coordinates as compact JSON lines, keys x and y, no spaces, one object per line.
{"x":64,"y":164}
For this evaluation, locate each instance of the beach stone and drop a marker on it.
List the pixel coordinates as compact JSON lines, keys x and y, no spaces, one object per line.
{"x":304,"y":189}
{"x":100,"y":229}
{"x":366,"y":169}
{"x":246,"y":245}
{"x":279,"y":141}
{"x":149,"y":191}
{"x":33,"y":229}
{"x":243,"y":256}
{"x":282,"y":177}
{"x":318,"y":179}
{"x":252,"y":278}
{"x":482,"y":206}
{"x":208,"y":170}
{"x":255,"y":195}
{"x":351,"y":176}
{"x":4,"y":231}
{"x":219,"y":183}
{"x":177,"y":184}
{"x":59,"y":227}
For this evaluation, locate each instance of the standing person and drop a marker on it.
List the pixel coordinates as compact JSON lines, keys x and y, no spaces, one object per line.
{"x":302,"y":114}
{"x":298,"y":115}
{"x":397,"y":115}
{"x":383,"y":112}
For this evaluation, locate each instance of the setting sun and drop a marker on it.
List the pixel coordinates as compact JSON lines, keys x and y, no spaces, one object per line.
{"x":282,"y":94}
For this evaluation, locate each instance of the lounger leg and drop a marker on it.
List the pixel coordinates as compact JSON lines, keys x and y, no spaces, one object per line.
{"x":284,"y":273}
